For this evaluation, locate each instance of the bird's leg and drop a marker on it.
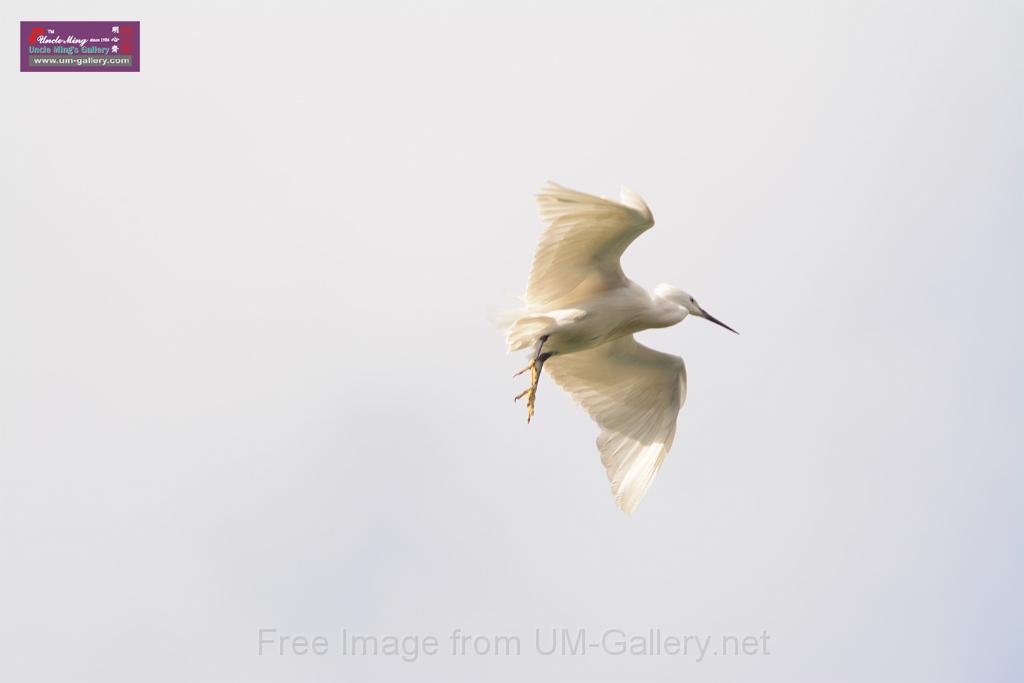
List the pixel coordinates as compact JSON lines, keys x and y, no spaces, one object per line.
{"x":532,"y":367}
{"x":535,"y":367}
{"x":536,"y":381}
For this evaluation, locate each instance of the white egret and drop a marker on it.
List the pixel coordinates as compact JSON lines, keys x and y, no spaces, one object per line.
{"x":579,"y":318}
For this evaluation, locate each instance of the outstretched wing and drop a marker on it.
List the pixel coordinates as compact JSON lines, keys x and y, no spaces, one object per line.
{"x":634,"y":393}
{"x":579,"y":252}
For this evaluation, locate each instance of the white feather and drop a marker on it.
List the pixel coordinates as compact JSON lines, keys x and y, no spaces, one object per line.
{"x":634,"y":394}
{"x":578,"y":254}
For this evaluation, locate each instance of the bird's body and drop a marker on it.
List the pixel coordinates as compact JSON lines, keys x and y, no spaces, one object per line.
{"x":579,"y":318}
{"x":597,"y":319}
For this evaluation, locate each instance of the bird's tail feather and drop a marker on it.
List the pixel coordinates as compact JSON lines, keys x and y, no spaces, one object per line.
{"x":523,"y":329}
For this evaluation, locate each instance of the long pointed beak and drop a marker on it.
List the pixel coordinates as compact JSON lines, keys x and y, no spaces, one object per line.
{"x":716,"y":321}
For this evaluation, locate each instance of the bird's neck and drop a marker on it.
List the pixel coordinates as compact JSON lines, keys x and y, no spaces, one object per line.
{"x":667,"y":313}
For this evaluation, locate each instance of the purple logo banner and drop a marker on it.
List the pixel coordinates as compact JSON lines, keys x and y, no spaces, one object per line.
{"x":79,"y":46}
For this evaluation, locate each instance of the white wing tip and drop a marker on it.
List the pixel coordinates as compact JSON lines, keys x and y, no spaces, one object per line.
{"x":549,"y":187}
{"x":629,"y":501}
{"x":634,"y":201}
{"x":627,"y":508}
{"x":630,"y":480}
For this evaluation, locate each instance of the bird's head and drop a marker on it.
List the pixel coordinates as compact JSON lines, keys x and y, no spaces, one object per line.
{"x":687,"y":303}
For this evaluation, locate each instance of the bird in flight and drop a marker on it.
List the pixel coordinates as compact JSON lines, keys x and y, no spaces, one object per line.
{"x":578,"y":322}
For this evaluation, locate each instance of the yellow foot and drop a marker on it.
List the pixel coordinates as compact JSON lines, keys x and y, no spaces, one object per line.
{"x":531,"y":391}
{"x":532,"y":367}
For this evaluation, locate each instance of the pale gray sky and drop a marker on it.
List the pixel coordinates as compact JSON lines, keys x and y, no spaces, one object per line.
{"x":247,"y":376}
